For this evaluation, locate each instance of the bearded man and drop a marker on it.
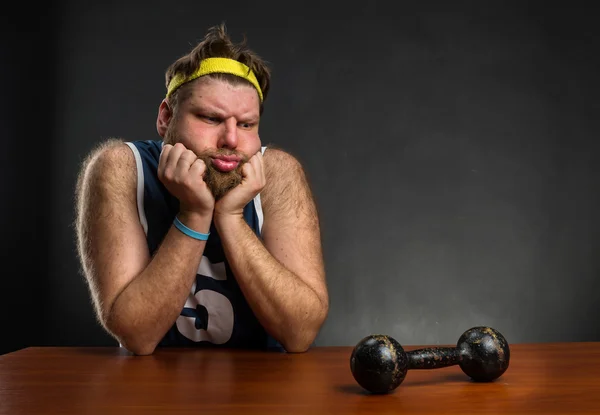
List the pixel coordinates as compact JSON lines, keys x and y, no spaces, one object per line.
{"x":204,"y":237}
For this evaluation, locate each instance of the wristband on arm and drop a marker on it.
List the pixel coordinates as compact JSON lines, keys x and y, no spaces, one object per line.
{"x":190,"y":232}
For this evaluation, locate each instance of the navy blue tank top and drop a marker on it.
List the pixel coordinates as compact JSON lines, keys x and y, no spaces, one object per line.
{"x":216,"y":312}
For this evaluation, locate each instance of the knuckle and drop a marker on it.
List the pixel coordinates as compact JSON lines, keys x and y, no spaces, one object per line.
{"x":169,"y":172}
{"x":180,"y":178}
{"x":199,"y":164}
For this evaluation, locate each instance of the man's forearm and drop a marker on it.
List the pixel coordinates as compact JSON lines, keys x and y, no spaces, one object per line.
{"x":287,"y":308}
{"x":145,"y":310}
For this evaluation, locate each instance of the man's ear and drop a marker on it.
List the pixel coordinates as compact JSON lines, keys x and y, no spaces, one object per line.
{"x":164,"y":117}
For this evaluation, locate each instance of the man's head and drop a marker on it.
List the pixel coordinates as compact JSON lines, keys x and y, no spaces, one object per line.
{"x":214,"y":101}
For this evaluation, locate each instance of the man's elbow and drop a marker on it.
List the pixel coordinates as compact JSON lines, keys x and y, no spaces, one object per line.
{"x":135,"y":344}
{"x":131,"y":341}
{"x":298,"y":344}
{"x":140,"y":349}
{"x":301,"y":340}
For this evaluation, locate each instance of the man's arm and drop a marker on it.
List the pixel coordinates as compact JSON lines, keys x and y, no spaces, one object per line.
{"x":137,"y":298}
{"x":282,"y":278}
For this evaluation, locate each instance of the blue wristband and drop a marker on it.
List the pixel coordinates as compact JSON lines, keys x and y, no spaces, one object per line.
{"x":189,"y":232}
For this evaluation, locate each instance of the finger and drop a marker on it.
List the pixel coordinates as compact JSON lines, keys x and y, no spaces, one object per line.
{"x":248,"y":169}
{"x":258,"y":167}
{"x":184,"y":163}
{"x":172,"y":159}
{"x":197,"y":169}
{"x":164,"y":155}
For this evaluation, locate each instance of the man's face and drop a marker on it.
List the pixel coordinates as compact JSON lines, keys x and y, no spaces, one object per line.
{"x":219,"y":123}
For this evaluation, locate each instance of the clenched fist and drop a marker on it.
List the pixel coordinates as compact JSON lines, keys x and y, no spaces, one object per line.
{"x":253,"y":181}
{"x":182,"y":173}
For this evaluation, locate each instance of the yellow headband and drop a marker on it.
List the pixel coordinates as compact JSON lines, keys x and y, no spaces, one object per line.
{"x":217,"y":65}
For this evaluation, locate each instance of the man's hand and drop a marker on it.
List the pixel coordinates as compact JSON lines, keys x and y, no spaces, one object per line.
{"x":182,"y":173}
{"x":138,"y":294}
{"x":280,"y":272}
{"x":253,"y":181}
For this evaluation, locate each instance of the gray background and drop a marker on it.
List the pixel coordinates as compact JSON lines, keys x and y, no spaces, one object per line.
{"x":452,"y":151}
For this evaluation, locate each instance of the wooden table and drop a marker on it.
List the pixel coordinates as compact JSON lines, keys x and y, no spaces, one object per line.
{"x":542,"y":378}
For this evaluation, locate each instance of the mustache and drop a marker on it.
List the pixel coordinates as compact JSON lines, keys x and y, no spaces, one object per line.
{"x":222,"y":152}
{"x":172,"y":136}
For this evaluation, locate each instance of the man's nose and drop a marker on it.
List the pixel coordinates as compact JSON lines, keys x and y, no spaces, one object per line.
{"x":229,"y":138}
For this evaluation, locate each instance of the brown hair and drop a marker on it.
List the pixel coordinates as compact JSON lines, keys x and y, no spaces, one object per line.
{"x":217,"y":44}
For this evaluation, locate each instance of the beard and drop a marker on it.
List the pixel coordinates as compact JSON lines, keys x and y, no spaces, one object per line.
{"x":218,"y":182}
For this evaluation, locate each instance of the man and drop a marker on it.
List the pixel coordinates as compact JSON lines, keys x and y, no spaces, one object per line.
{"x":204,"y":237}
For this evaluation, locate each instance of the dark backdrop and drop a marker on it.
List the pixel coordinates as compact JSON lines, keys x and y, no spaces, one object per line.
{"x":452,"y":150}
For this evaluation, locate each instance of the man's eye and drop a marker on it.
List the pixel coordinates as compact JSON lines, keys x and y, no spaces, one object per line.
{"x":209,"y":119}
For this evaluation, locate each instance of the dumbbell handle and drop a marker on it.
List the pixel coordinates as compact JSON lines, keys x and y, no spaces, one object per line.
{"x":433,"y":357}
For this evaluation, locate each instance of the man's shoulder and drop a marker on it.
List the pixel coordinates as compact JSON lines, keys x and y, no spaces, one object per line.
{"x":280,"y":164}
{"x":119,"y":151}
{"x":286,"y":183}
{"x":110,"y":162}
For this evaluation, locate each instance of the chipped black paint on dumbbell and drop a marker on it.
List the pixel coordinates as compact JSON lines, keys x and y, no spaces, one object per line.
{"x":379,"y":363}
